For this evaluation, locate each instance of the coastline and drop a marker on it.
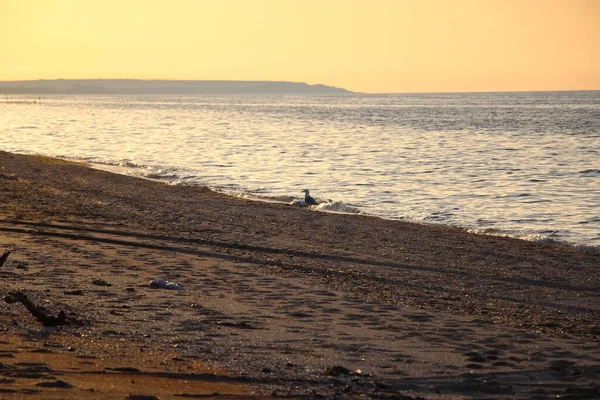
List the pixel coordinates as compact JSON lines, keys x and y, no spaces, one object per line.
{"x":329,"y":206}
{"x":279,"y":296}
{"x":549,"y":206}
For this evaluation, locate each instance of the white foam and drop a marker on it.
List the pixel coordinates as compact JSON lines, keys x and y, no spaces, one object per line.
{"x":537,"y":237}
{"x":337,"y":207}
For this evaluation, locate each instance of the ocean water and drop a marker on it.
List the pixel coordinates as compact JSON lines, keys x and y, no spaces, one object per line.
{"x":518,"y":164}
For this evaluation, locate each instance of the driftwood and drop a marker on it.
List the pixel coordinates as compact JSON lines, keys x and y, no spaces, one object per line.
{"x":3,"y":257}
{"x":39,"y":313}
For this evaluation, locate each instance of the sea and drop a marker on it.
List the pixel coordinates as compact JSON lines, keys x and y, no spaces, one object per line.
{"x":519,"y":164}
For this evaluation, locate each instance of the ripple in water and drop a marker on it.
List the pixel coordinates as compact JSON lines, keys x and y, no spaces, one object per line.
{"x":520,"y":164}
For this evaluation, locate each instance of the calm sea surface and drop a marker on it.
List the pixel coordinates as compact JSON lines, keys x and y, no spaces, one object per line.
{"x":520,"y":164}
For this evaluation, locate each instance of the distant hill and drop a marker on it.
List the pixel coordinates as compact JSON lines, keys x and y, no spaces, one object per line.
{"x":135,"y":86}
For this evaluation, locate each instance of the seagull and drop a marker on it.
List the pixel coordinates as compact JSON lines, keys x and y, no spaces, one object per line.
{"x":310,"y":201}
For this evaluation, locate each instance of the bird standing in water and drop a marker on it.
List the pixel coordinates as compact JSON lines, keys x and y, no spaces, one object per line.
{"x":308,"y":199}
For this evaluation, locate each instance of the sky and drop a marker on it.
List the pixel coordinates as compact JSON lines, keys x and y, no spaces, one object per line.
{"x":373,"y":46}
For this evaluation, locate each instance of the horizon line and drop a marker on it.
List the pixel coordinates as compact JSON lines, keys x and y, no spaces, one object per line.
{"x":303,"y":82}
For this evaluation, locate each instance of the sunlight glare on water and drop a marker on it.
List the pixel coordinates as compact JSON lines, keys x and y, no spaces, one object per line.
{"x":510,"y":163}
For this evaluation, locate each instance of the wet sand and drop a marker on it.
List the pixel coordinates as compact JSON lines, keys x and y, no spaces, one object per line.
{"x":278,"y":300}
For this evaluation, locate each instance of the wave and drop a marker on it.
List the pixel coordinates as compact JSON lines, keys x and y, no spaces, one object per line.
{"x":25,"y":127}
{"x":545,"y":238}
{"x":325,"y":205}
{"x":588,"y":172}
{"x":338,"y":207}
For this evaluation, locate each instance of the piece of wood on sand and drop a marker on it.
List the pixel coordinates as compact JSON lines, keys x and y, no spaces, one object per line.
{"x":3,"y":257}
{"x":39,"y":313}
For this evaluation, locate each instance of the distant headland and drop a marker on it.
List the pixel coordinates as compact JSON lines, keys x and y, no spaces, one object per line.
{"x":137,"y":86}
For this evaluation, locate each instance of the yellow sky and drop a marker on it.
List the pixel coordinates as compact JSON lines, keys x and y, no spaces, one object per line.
{"x":361,"y":45}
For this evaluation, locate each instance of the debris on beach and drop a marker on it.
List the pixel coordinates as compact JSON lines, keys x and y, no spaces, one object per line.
{"x":55,"y":384}
{"x":241,"y":325}
{"x":4,"y":261}
{"x":100,"y":282}
{"x":3,"y":257}
{"x":77,"y":292}
{"x":141,"y":397}
{"x":163,"y":284}
{"x":10,"y":177}
{"x":38,"y":312}
{"x":18,"y":264}
{"x":338,"y":370}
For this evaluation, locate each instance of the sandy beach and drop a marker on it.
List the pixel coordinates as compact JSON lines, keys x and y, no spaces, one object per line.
{"x":276,"y":301}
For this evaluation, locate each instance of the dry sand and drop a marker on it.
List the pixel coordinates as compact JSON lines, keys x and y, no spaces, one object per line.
{"x":277,"y":300}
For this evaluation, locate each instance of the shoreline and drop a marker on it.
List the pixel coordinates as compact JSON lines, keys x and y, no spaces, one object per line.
{"x":465,"y":189}
{"x":281,"y":295}
{"x":530,"y":237}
